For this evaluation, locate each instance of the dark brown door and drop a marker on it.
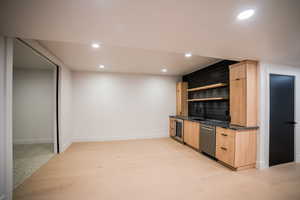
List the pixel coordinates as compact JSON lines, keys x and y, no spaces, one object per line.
{"x":281,"y":119}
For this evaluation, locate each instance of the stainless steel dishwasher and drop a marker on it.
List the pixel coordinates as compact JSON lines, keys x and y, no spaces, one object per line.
{"x":208,"y":139}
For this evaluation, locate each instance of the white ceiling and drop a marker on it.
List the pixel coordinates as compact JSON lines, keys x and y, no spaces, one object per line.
{"x":204,"y":27}
{"x":25,"y":58}
{"x":124,"y":59}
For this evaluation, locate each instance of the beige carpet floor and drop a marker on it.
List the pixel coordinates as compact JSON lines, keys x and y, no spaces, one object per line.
{"x":154,"y":169}
{"x":28,"y":158}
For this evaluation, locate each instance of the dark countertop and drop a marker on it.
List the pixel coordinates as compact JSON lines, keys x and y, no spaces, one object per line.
{"x":223,"y":124}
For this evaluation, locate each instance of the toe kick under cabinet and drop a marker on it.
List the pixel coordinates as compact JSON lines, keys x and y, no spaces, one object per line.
{"x":236,"y":149}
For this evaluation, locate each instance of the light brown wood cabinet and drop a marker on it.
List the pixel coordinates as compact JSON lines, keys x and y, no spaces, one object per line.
{"x":243,"y":93}
{"x":236,"y":148}
{"x":181,"y":99}
{"x":191,"y":134}
{"x":172,"y":126}
{"x":238,"y":102}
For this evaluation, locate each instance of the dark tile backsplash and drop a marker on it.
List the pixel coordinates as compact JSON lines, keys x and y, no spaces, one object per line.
{"x":210,"y":109}
{"x":216,"y":73}
{"x":215,"y":92}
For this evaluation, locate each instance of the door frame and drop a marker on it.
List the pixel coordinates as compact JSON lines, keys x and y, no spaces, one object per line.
{"x":263,"y":139}
{"x":56,"y":75}
{"x":8,"y":126}
{"x":57,"y":149}
{"x":294,"y":82}
{"x":8,"y":117}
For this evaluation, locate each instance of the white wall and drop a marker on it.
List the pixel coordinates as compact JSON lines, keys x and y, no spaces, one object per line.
{"x":33,"y":106}
{"x":263,"y":140}
{"x":112,"y":106}
{"x":65,"y":108}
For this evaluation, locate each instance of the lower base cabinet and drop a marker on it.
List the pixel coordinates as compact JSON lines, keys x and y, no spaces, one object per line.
{"x":172,"y":126}
{"x":191,"y":134}
{"x":236,"y":148}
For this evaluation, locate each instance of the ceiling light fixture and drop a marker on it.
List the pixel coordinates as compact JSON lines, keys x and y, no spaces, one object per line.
{"x":187,"y":55}
{"x":101,"y":66}
{"x":164,"y":70}
{"x":95,"y":45}
{"x":246,"y":14}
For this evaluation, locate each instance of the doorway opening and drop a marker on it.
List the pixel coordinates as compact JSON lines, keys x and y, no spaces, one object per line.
{"x":282,"y":119}
{"x":35,"y":111}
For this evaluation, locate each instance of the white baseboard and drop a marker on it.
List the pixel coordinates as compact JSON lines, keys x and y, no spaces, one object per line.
{"x":261,"y":165}
{"x":33,"y":141}
{"x":65,"y":146}
{"x":264,"y":165}
{"x":114,"y":138}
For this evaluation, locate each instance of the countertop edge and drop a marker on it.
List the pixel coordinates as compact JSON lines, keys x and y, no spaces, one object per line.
{"x":229,"y":126}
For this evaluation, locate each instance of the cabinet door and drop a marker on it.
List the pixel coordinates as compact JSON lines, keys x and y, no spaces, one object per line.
{"x":237,"y":72}
{"x":191,"y":133}
{"x":172,"y":126}
{"x":181,"y":99}
{"x":178,"y":99}
{"x":238,"y":102}
{"x":245,"y":148}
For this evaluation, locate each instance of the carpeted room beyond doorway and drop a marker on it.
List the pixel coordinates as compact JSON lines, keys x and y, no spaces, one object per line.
{"x":28,"y":158}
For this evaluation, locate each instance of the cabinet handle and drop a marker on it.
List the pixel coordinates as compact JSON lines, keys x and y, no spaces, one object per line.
{"x":224,"y":134}
{"x":209,"y":129}
{"x":237,"y":79}
{"x":223,"y":148}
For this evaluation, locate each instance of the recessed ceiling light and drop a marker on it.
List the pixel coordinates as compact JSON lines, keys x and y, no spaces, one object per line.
{"x":95,"y":45}
{"x":246,"y":14}
{"x":101,"y":66}
{"x":187,"y":55}
{"x":164,"y":70}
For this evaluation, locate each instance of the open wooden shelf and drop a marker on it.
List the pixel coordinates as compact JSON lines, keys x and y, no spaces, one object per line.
{"x":209,"y":99}
{"x":207,"y":87}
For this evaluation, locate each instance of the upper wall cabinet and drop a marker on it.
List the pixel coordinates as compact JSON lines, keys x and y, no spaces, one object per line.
{"x":243,"y":93}
{"x":181,"y":99}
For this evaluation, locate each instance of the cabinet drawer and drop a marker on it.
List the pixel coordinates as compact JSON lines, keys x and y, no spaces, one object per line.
{"x":237,"y":72}
{"x":225,"y":133}
{"x":225,"y":139}
{"x":227,"y":142}
{"x":224,"y":136}
{"x":225,"y":154}
{"x":225,"y":145}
